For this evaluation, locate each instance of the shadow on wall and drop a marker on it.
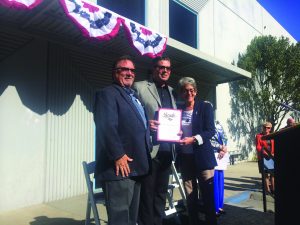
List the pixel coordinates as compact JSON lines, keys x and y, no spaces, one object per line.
{"x":46,"y":78}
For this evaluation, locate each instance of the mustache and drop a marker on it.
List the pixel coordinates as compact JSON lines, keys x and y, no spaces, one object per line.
{"x":129,"y":76}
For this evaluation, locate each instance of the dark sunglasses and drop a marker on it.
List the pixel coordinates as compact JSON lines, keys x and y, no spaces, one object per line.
{"x":268,"y":127}
{"x":168,"y":68}
{"x":125,"y":69}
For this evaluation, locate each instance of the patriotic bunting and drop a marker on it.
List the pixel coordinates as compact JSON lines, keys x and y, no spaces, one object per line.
{"x":146,"y":42}
{"x":29,"y":4}
{"x":97,"y":22}
{"x":92,"y":20}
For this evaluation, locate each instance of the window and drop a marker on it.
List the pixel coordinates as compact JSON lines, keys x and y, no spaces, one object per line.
{"x":131,"y":9}
{"x":182,"y":24}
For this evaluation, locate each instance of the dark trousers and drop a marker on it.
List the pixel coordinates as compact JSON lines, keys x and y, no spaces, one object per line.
{"x":154,"y":190}
{"x":192,"y":181}
{"x":122,"y":201}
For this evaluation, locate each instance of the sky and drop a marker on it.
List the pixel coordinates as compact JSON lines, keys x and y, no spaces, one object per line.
{"x":286,"y":12}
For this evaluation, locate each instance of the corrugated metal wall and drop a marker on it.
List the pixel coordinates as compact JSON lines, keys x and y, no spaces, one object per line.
{"x":70,"y":127}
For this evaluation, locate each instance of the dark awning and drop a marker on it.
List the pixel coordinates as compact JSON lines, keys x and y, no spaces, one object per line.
{"x":48,"y":21}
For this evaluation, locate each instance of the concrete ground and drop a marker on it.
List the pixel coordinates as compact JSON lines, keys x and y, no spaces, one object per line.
{"x":243,"y":204}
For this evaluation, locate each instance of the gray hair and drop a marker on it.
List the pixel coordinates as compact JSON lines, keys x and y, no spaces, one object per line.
{"x":187,"y":80}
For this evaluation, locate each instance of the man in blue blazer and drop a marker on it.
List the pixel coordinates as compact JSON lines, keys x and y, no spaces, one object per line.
{"x":122,"y":144}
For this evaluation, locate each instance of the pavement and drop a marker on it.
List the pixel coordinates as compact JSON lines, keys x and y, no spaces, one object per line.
{"x":243,"y":205}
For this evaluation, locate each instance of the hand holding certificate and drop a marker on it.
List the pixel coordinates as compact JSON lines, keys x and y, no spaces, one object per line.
{"x":222,"y":162}
{"x":169,"y":125}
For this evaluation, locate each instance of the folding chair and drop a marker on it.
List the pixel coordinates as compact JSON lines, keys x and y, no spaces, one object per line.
{"x":175,"y":182}
{"x":94,"y":198}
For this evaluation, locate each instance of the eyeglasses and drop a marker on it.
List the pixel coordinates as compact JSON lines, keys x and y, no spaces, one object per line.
{"x":268,"y":127}
{"x":125,"y":69}
{"x":192,"y":90}
{"x":168,"y":68}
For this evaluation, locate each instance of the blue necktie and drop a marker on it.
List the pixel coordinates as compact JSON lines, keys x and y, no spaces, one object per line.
{"x":137,"y":104}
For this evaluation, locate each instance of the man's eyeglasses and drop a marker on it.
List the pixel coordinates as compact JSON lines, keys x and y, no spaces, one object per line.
{"x":125,"y":69}
{"x":168,"y":68}
{"x":268,"y":127}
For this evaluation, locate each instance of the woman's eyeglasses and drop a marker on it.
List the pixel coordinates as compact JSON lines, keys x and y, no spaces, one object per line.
{"x":189,"y":91}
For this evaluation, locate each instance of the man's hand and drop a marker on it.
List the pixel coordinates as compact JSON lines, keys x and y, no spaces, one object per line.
{"x":153,"y":125}
{"x":121,"y":164}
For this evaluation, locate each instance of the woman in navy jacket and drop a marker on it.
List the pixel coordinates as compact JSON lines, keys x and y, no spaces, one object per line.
{"x":196,"y":157}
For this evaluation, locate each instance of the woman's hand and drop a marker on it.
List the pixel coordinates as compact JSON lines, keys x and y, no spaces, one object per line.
{"x":221,"y":155}
{"x":224,"y":148}
{"x":180,"y":133}
{"x":187,"y":141}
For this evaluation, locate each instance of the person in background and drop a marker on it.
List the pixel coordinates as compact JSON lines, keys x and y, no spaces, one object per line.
{"x":155,"y":94}
{"x":265,"y":150}
{"x":195,"y":154}
{"x":219,"y":143}
{"x":290,"y":122}
{"x":122,"y":144}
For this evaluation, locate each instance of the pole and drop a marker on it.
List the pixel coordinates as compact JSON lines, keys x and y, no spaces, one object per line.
{"x":263,"y":177}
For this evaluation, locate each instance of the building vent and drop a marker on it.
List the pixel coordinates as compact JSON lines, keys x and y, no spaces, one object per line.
{"x":195,"y":5}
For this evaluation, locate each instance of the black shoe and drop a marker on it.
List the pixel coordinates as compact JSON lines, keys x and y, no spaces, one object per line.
{"x":222,"y":211}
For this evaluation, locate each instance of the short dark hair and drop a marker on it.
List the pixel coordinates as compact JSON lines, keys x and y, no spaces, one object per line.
{"x":160,"y":58}
{"x":123,"y":57}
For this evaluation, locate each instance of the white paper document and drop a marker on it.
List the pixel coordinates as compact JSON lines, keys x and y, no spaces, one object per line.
{"x":222,"y":163}
{"x":170,"y":125}
{"x":269,"y":164}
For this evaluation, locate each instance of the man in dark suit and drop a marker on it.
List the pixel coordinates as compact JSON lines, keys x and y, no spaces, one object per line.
{"x":154,"y":94}
{"x":122,"y":144}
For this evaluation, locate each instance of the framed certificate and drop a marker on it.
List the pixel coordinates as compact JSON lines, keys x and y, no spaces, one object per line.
{"x":169,"y":125}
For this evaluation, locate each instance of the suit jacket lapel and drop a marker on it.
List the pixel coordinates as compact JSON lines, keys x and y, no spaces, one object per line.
{"x":153,"y":91}
{"x":172,"y":97}
{"x":197,"y":106}
{"x":128,"y":99}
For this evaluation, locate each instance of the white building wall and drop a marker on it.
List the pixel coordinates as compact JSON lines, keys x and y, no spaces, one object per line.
{"x":157,"y":15}
{"x":23,"y":127}
{"x":235,"y":25}
{"x":47,"y":127}
{"x":226,"y":29}
{"x":70,"y":127}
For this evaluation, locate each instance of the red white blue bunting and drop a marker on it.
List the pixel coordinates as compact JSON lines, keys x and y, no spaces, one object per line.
{"x":97,"y":22}
{"x":92,"y":20}
{"x":144,"y":40}
{"x":27,"y":4}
